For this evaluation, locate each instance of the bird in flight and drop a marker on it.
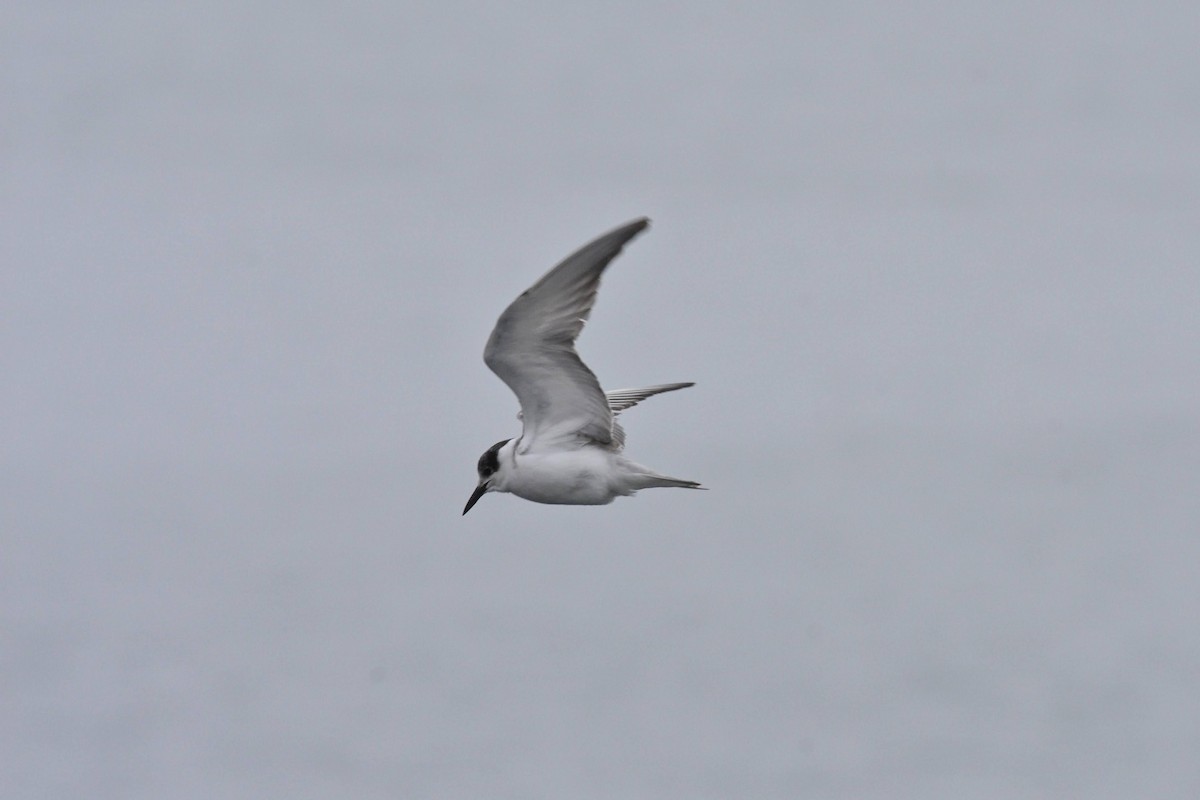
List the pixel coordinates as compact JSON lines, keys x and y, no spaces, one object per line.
{"x":571,"y":447}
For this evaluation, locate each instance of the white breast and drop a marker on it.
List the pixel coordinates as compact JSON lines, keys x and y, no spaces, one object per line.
{"x":587,"y":476}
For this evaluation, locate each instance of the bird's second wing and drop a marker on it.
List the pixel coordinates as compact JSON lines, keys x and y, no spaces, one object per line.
{"x":532,"y":347}
{"x":623,"y":399}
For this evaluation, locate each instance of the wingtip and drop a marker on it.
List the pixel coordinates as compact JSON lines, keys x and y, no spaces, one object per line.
{"x":636,"y":226}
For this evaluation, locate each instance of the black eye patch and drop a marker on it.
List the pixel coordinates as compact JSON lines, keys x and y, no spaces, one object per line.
{"x":489,"y":462}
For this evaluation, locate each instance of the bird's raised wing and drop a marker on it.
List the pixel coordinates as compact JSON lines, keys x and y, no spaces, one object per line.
{"x":532,"y":347}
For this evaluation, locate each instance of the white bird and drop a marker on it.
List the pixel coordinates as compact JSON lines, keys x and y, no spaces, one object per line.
{"x":570,"y":448}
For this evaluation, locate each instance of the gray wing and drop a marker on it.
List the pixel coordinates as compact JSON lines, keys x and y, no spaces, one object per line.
{"x":532,"y":347}
{"x":623,"y":399}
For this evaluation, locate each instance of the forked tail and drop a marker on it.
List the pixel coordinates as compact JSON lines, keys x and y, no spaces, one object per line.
{"x":654,"y":481}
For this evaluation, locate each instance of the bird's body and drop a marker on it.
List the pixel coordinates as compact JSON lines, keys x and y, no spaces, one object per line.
{"x":570,"y":451}
{"x":586,"y":476}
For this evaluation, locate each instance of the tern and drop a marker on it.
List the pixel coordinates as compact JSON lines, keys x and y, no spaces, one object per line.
{"x":571,"y":447}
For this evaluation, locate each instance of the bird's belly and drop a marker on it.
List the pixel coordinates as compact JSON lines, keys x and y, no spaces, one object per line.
{"x":567,"y":479}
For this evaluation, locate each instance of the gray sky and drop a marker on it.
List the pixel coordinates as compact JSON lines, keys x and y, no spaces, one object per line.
{"x":933,"y":268}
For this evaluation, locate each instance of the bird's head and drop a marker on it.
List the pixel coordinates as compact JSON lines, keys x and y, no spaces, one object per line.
{"x":489,"y":465}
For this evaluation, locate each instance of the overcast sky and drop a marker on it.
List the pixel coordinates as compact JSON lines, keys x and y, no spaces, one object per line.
{"x":935,"y":269}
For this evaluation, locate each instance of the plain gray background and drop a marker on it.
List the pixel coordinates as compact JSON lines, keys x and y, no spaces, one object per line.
{"x":933,"y":267}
